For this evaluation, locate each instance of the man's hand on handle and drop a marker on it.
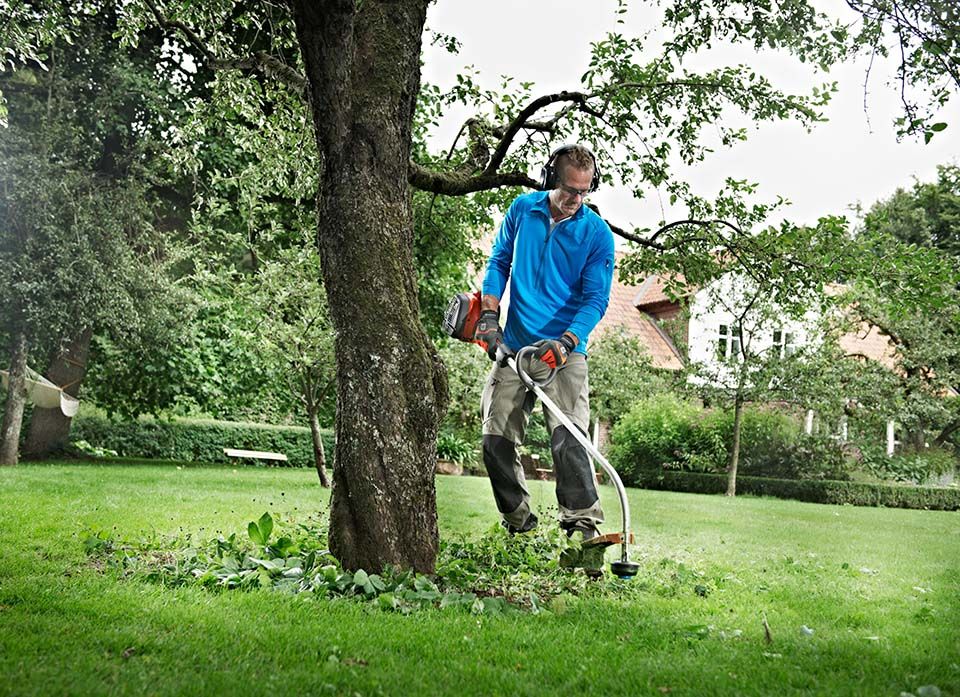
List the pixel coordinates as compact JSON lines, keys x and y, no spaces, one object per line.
{"x":554,"y":352}
{"x":489,"y":332}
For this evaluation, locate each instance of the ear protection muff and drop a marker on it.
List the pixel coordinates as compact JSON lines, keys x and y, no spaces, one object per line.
{"x":548,"y":173}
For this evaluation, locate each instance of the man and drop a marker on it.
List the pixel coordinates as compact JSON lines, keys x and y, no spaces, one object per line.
{"x":559,"y":256}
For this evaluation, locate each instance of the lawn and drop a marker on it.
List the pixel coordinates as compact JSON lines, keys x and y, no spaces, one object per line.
{"x":858,"y":601}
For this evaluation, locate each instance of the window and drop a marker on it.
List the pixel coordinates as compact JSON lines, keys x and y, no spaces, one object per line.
{"x":728,"y":345}
{"x":784,"y":343}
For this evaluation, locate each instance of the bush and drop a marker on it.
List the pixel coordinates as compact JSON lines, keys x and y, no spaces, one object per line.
{"x":452,"y":447}
{"x":819,"y":491}
{"x":809,"y":457}
{"x":654,"y":434}
{"x":916,"y":466}
{"x":665,"y":432}
{"x":191,"y":440}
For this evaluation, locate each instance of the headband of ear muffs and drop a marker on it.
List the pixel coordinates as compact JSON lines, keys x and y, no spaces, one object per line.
{"x":548,"y":173}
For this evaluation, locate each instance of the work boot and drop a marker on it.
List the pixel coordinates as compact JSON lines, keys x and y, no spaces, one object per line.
{"x":587,"y":530}
{"x":528,"y":525}
{"x":586,"y":556}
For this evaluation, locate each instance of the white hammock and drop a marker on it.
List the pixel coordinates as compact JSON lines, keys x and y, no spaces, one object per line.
{"x":43,"y":393}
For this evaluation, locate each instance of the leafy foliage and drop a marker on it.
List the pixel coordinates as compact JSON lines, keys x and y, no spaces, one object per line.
{"x":916,"y":466}
{"x":452,"y":447}
{"x":496,"y":574}
{"x":665,"y":432}
{"x":620,"y":374}
{"x":927,"y":214}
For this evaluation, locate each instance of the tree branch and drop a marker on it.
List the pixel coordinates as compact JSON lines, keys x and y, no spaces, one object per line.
{"x":581,"y":100}
{"x":458,"y":184}
{"x":514,"y":127}
{"x":269,"y":65}
{"x":701,"y":223}
{"x":946,"y":432}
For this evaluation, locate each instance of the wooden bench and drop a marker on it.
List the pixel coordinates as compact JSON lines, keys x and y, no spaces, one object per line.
{"x":255,"y":454}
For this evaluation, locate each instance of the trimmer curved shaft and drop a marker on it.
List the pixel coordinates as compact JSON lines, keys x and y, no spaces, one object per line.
{"x":623,"y":568}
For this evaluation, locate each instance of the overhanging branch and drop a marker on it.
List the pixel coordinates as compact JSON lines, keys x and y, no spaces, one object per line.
{"x":458,"y":184}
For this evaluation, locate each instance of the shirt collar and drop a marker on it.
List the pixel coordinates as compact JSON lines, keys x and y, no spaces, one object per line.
{"x":542,"y":203}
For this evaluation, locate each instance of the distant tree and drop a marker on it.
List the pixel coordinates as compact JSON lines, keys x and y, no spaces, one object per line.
{"x":621,"y":374}
{"x":914,"y":301}
{"x":82,"y":196}
{"x":927,"y":214}
{"x":293,"y":326}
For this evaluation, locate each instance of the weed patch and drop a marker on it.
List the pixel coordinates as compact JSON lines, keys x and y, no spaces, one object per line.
{"x":494,"y":574}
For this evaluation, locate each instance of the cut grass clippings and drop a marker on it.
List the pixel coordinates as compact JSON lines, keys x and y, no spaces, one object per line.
{"x":858,"y":601}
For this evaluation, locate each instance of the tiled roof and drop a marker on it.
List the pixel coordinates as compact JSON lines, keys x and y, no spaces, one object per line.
{"x":867,"y":341}
{"x":621,"y":312}
{"x":653,"y":292}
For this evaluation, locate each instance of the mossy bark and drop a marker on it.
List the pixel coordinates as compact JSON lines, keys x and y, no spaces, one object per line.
{"x":16,"y":401}
{"x":363,"y":66}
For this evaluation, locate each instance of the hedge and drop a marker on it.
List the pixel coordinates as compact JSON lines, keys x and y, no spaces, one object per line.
{"x":814,"y":491}
{"x":192,"y":440}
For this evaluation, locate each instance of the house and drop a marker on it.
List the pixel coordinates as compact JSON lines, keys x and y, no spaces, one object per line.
{"x":709,"y":334}
{"x":623,"y":313}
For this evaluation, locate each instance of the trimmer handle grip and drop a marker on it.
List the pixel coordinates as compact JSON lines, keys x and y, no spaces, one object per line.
{"x":525,"y":377}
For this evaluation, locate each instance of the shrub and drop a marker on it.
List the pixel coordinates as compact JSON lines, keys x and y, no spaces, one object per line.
{"x":916,"y":466}
{"x":655,"y":433}
{"x":192,"y":440}
{"x":667,"y":433}
{"x":813,"y":491}
{"x":451,"y":446}
{"x":810,"y":457}
{"x":621,"y":372}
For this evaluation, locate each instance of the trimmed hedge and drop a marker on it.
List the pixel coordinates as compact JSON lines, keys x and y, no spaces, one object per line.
{"x":192,"y":440}
{"x":813,"y":491}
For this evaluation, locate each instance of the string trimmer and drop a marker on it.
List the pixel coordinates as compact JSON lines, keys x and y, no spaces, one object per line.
{"x":459,"y":322}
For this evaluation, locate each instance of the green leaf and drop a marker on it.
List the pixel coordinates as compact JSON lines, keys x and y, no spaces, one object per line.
{"x":933,"y":47}
{"x":360,"y":578}
{"x":387,"y":601}
{"x":266,"y":527}
{"x":254,"y":532}
{"x":937,"y":127}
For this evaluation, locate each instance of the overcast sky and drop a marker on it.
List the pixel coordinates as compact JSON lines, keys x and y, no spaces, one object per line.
{"x":853,"y":157}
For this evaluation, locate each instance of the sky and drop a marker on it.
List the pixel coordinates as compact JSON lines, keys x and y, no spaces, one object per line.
{"x":854,"y":157}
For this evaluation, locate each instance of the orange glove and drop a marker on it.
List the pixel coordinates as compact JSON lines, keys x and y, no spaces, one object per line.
{"x":554,"y":352}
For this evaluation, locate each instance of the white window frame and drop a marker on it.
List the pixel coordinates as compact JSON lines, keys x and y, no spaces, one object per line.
{"x":785,"y":342}
{"x":728,"y":343}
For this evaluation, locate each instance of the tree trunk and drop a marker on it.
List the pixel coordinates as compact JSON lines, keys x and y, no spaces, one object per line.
{"x":16,"y":400}
{"x":735,"y":454}
{"x":947,"y":431}
{"x":363,"y":66}
{"x":319,"y":456}
{"x":49,"y":428}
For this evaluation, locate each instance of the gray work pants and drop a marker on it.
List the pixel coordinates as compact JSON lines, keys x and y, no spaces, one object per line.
{"x":504,"y":425}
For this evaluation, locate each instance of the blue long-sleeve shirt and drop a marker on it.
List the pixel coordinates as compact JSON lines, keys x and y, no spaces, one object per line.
{"x":559,"y":280}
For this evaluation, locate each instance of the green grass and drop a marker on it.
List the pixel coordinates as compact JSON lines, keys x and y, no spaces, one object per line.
{"x":850,"y":574}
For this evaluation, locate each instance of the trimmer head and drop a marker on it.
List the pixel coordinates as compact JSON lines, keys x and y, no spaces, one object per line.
{"x":624,"y":569}
{"x":589,"y":556}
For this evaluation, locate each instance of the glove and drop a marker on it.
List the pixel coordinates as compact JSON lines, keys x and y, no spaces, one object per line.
{"x":554,"y":352}
{"x":489,"y":332}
